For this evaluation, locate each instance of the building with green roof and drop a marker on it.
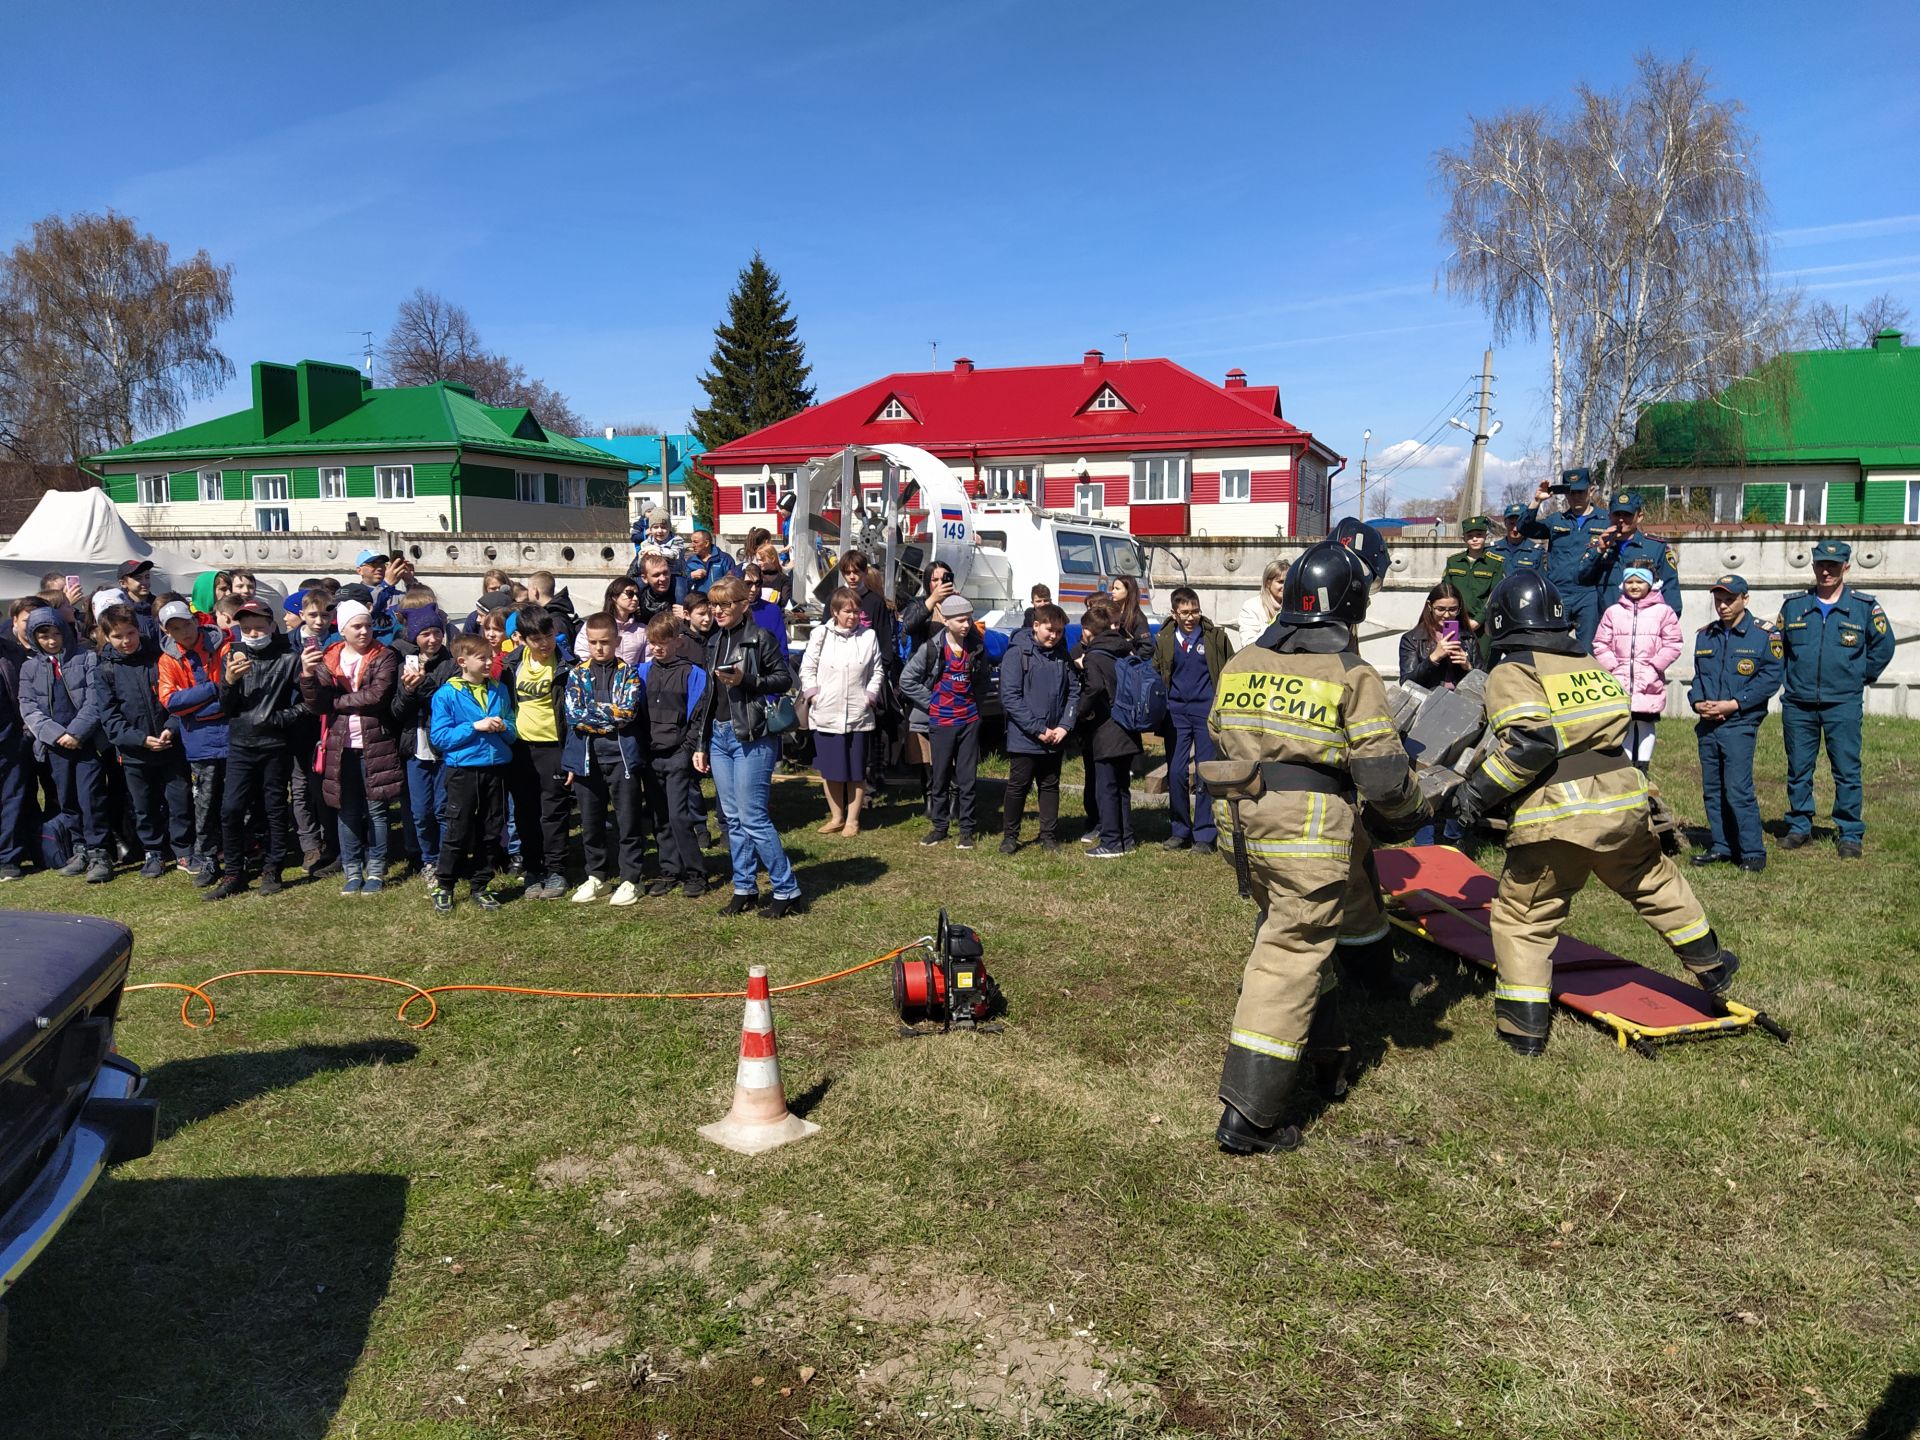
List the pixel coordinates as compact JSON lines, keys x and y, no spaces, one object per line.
{"x":322,"y":449}
{"x":1816,"y":437}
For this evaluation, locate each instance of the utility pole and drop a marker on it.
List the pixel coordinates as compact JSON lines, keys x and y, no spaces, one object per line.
{"x":1366,"y":439}
{"x":1471,"y":501}
{"x":936,"y":353}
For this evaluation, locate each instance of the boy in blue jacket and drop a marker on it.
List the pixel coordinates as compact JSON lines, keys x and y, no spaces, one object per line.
{"x":147,"y":738}
{"x":472,"y":729}
{"x":61,"y":711}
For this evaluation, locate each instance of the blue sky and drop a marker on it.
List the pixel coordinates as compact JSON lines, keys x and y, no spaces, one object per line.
{"x":1231,"y":185}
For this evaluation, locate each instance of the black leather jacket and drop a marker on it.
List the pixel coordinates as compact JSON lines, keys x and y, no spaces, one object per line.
{"x":765,"y":671}
{"x":264,"y":710}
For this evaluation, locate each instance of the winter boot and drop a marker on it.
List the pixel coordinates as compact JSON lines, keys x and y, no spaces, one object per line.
{"x":76,"y":864}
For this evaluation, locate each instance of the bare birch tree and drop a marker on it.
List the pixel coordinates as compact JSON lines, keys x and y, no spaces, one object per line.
{"x":104,"y":336}
{"x":433,"y":339}
{"x":1832,"y":327}
{"x":1630,"y":233}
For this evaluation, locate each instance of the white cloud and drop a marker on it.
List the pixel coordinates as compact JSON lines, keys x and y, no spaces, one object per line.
{"x":1405,"y":455}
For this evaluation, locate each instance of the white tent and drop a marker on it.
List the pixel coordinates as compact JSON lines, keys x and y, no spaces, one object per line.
{"x":80,"y":532}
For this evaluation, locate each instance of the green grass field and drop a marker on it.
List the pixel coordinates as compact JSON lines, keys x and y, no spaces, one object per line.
{"x":504,"y":1225}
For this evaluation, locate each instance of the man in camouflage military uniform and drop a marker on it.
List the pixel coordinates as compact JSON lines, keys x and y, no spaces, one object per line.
{"x":1576,"y":807}
{"x":1304,"y":735}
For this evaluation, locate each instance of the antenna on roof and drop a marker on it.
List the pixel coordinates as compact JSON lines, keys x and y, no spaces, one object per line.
{"x":936,"y":353}
{"x":1121,"y":336}
{"x":366,"y":352}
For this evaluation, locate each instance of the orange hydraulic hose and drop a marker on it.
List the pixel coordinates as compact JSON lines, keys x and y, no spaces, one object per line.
{"x":427,"y":992}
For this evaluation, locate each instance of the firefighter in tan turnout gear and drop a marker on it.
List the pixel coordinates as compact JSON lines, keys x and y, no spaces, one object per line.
{"x":1576,"y":806}
{"x":1304,"y":735}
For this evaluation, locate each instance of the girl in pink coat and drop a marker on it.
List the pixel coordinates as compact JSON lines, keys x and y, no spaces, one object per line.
{"x":1637,"y":639}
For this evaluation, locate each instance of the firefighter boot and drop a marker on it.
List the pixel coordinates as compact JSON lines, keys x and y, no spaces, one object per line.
{"x":1712,"y":966}
{"x":1524,"y":1025}
{"x":1254,"y":1088}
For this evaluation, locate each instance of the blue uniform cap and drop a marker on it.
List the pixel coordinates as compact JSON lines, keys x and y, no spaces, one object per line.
{"x":1732,"y":584}
{"x":1627,"y":504}
{"x":1580,"y":478}
{"x":1515,"y":512}
{"x":1833,"y":550}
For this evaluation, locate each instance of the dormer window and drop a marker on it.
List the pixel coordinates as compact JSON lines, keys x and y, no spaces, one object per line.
{"x":894,"y":410}
{"x":1107,"y":399}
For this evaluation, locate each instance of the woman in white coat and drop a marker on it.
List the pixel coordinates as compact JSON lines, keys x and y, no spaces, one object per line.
{"x":1257,"y":614}
{"x":840,"y":677}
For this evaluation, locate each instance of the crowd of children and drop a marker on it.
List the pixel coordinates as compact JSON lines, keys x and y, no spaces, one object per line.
{"x":357,"y":724}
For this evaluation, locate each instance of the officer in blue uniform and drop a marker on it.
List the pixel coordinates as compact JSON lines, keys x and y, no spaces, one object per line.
{"x":1621,"y":547}
{"x":1836,"y":642}
{"x":1736,"y":669}
{"x":1515,"y":550}
{"x":1567,"y":535}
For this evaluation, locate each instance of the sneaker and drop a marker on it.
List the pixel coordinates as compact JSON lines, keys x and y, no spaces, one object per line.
{"x":554,"y":887}
{"x":1845,"y":849}
{"x":1107,"y":852}
{"x":665,"y":885}
{"x":10,"y":872}
{"x":76,"y":864}
{"x":486,"y":899}
{"x":430,"y":874}
{"x":310,"y":861}
{"x":206,"y":873}
{"x":628,"y":893}
{"x":516,"y":865}
{"x":934,"y":837}
{"x":99,"y":868}
{"x":1175,"y":842}
{"x":155,"y":867}
{"x":779,"y":907}
{"x":1092,"y":837}
{"x":270,"y":881}
{"x":442,"y":901}
{"x":354,"y":881}
{"x":1009,"y":846}
{"x":184,"y":863}
{"x":695,"y":887}
{"x":589,"y":891}
{"x":1794,"y":839}
{"x":229,"y":886}
{"x":740,"y":904}
{"x":328,"y":865}
{"x":965,"y":842}
{"x":372,"y":885}
{"x":1052,"y":847}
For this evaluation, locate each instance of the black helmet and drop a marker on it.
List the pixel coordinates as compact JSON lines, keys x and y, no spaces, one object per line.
{"x":1367,"y":543}
{"x":1525,"y":602}
{"x":1328,"y":584}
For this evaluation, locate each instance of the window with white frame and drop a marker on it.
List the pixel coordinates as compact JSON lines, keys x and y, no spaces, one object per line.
{"x":1004,"y":481}
{"x":894,"y":410}
{"x":1089,"y":499}
{"x":1236,"y":486}
{"x":153,"y":489}
{"x":1913,"y":502}
{"x":333,"y":482}
{"x":211,"y":486}
{"x":267,"y":488}
{"x":272,"y":518}
{"x":573,"y":490}
{"x":1107,"y":399}
{"x":753,"y":497}
{"x":1159,"y":479}
{"x":393,"y":482}
{"x":677,"y":506}
{"x":530,"y":487}
{"x":1806,"y":502}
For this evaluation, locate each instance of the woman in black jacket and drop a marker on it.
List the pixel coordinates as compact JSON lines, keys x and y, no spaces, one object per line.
{"x":1128,"y":617}
{"x":920,"y":619}
{"x":1431,"y":653}
{"x":748,"y":669}
{"x":1110,"y":746}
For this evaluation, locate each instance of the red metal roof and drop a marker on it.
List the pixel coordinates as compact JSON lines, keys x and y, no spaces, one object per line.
{"x":1031,"y":409}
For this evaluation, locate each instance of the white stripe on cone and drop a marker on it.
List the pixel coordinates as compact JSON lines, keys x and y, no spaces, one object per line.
{"x":759,"y":1118}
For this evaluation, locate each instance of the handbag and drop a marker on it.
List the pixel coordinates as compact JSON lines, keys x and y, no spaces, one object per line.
{"x":803,"y":712}
{"x":780,"y":714}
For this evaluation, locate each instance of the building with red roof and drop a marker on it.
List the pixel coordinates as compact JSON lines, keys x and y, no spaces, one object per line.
{"x":1144,"y":442}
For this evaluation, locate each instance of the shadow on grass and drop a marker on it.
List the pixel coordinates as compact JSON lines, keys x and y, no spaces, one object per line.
{"x":190,"y":1091}
{"x":1897,"y":1416}
{"x":210,"y":1307}
{"x":804,"y":1103}
{"x":822,"y":877}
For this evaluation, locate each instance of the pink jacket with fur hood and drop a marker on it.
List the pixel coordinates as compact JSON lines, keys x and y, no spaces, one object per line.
{"x":1637,"y":640}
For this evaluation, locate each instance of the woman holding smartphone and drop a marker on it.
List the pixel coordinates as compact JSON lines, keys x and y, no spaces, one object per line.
{"x":1435,"y":652}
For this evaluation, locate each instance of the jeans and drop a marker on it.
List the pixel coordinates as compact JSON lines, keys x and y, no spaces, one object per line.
{"x":1191,"y":744}
{"x":953,"y":775}
{"x":363,"y":820}
{"x":258,"y":782}
{"x":743,"y":780}
{"x":313,"y":818}
{"x":161,"y":796}
{"x":426,"y":798}
{"x":82,"y":789}
{"x":209,"y":786}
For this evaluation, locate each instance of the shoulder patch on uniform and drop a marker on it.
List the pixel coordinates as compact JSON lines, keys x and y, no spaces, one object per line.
{"x":1672,"y":562}
{"x":1746,"y":667}
{"x":1778,"y":646}
{"x":1879,"y":622}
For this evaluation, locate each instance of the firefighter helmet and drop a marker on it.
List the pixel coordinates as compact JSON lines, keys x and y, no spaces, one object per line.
{"x":1328,"y":584}
{"x":1525,"y":602}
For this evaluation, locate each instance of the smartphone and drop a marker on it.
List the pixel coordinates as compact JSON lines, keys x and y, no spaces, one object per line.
{"x":413,"y":665}
{"x":314,"y":642}
{"x":1450,"y":631}
{"x":73,"y":582}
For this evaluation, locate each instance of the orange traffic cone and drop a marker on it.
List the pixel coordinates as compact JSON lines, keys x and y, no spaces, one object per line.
{"x":759,"y":1119}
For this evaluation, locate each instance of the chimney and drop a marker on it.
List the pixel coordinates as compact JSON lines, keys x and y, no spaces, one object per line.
{"x":963,"y":366}
{"x":1236,"y":379}
{"x":609,"y":432}
{"x":1888,"y":340}
{"x":1091,"y":361}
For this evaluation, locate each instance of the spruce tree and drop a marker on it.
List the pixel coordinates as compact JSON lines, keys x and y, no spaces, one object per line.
{"x":758,"y":371}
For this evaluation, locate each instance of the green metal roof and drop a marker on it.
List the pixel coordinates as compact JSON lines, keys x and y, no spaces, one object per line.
{"x":1805,"y":407}
{"x":321,"y":408}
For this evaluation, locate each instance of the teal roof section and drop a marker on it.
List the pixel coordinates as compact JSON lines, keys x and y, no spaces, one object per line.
{"x":1805,"y":407}
{"x":641,"y":453}
{"x":317,"y":408}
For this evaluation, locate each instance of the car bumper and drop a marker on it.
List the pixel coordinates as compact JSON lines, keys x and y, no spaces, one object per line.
{"x":115,"y":1124}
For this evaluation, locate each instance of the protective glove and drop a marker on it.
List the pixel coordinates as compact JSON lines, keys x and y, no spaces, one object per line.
{"x":1464,"y":807}
{"x":1388,"y":830}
